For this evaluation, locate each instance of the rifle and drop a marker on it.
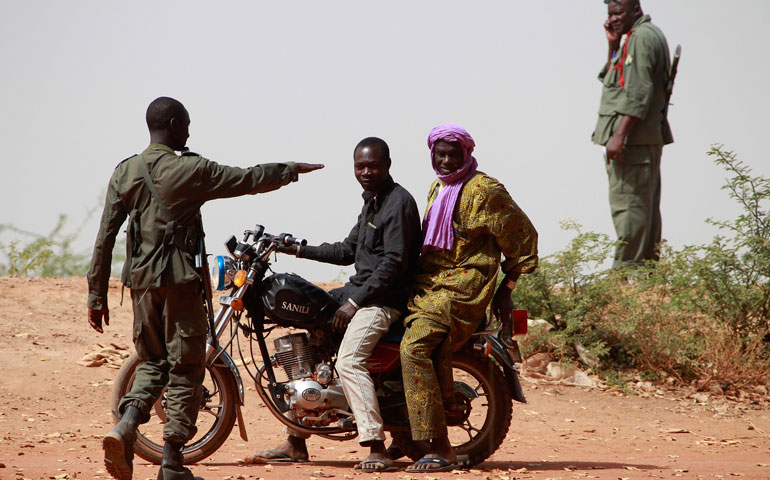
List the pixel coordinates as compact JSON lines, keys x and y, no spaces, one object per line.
{"x":672,"y":74}
{"x":202,"y":265}
{"x":667,"y":135}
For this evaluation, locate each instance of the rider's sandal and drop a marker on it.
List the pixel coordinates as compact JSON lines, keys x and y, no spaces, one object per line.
{"x":443,"y":466}
{"x":373,"y":466}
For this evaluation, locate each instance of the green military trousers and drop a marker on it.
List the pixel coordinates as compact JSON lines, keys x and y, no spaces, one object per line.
{"x":634,"y":186}
{"x":170,"y":329}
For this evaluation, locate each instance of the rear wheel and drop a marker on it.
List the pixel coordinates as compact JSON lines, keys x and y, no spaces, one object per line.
{"x":479,"y":426}
{"x":216,"y":416}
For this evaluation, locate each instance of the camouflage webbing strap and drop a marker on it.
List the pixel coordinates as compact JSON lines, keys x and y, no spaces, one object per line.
{"x":168,"y":235}
{"x":153,"y":191}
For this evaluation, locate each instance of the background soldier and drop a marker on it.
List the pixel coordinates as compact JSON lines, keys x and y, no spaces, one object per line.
{"x":161,"y":194}
{"x":633,"y":127}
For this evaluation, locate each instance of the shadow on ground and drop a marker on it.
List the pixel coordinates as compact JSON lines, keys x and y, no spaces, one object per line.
{"x":486,"y":466}
{"x":565,"y":464}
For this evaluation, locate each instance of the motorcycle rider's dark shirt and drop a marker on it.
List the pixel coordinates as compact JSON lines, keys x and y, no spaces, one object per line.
{"x":384,"y":245}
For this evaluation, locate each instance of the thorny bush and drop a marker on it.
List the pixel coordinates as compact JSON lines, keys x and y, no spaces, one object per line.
{"x":699,"y":314}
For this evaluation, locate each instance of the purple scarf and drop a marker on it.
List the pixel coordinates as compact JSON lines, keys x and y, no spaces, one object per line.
{"x":437,"y":225}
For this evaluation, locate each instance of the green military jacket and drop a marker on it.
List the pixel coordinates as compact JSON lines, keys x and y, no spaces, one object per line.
{"x":184,"y":183}
{"x":645,"y":68}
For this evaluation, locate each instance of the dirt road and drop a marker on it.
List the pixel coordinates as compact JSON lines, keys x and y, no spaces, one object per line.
{"x":53,"y":412}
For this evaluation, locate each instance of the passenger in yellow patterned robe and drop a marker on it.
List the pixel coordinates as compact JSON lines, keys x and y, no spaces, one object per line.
{"x":455,"y":283}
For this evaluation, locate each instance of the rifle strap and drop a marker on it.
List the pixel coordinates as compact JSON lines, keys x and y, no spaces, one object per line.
{"x":168,"y":234}
{"x":151,"y":186}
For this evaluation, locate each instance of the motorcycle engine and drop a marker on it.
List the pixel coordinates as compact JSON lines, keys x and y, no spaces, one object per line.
{"x":312,"y":396}
{"x":312,"y":390}
{"x":295,"y":355}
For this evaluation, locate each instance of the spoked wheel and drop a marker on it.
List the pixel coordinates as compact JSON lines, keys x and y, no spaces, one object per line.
{"x":216,"y":416}
{"x":478,"y":426}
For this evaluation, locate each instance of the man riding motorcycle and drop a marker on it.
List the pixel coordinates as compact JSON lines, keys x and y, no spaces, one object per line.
{"x":383,"y":244}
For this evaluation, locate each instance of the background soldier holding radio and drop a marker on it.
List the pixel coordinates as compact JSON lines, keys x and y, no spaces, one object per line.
{"x":633,"y":127}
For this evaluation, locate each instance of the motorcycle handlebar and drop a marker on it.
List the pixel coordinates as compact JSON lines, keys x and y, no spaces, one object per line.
{"x":288,"y":239}
{"x":285,"y":240}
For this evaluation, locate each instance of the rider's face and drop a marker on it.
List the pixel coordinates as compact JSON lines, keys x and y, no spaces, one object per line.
{"x":370,"y":168}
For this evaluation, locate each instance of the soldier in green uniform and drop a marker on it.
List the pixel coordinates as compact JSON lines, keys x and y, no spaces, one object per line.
{"x":633,"y":128}
{"x":161,"y":194}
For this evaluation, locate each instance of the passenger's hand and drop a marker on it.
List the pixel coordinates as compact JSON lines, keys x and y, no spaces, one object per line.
{"x":502,"y":303}
{"x":308,"y":167}
{"x":95,"y":318}
{"x":343,"y":315}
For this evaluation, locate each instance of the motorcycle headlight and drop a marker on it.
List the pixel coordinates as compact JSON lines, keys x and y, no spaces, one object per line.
{"x":222,"y":269}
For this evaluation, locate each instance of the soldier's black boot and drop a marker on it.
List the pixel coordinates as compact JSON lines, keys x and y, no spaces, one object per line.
{"x":118,"y":445}
{"x":172,"y":464}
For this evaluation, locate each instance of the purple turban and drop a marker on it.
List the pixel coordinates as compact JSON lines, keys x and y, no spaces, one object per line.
{"x":437,"y":226}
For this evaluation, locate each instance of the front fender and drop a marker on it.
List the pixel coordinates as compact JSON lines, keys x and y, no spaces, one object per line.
{"x":221,"y":360}
{"x":500,"y":353}
{"x":223,"y":357}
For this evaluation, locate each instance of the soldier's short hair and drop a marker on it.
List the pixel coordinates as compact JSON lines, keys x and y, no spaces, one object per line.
{"x":632,"y":3}
{"x":162,"y":110}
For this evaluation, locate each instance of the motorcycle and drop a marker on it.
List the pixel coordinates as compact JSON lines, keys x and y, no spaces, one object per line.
{"x":296,"y":379}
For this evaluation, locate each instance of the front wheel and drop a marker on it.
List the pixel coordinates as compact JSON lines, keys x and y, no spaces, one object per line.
{"x":479,"y":427}
{"x":216,"y":416}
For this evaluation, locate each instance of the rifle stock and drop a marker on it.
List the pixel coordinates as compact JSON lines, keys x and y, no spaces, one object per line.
{"x":673,"y":72}
{"x":202,"y":265}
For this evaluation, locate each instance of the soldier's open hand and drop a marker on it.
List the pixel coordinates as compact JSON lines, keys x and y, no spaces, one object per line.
{"x":308,"y":167}
{"x":95,"y":318}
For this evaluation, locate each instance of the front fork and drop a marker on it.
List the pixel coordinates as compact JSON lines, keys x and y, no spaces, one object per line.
{"x":216,"y":353}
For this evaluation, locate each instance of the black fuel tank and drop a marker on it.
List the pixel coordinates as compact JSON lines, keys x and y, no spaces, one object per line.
{"x":292,"y":301}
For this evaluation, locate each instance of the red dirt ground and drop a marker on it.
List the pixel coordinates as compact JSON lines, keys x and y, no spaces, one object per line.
{"x":54,"y":411}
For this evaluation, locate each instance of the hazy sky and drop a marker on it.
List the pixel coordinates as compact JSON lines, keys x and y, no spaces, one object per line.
{"x":305,"y":81}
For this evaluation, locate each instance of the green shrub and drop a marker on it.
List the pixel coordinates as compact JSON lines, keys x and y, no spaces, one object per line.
{"x":570,"y":292}
{"x":733,"y":272}
{"x":51,"y":255}
{"x":44,"y":255}
{"x":698,"y":313}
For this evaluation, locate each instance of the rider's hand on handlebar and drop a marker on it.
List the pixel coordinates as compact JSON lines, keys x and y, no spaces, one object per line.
{"x":289,"y":249}
{"x":308,"y":167}
{"x":95,"y":318}
{"x":342,"y":316}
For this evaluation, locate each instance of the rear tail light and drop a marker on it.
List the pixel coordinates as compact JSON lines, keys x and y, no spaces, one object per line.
{"x":519,"y":322}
